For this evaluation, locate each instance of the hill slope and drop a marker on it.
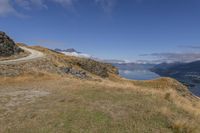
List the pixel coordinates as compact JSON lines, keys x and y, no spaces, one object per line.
{"x":187,"y":73}
{"x":60,"y":64}
{"x":62,"y":94}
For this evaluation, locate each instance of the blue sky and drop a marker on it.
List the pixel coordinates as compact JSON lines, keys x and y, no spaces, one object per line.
{"x":109,"y":29}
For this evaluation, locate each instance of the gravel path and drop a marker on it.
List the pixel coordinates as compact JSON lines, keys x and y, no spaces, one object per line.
{"x":33,"y":55}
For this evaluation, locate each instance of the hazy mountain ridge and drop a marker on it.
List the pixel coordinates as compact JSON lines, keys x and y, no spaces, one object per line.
{"x":177,"y":68}
{"x":133,"y":66}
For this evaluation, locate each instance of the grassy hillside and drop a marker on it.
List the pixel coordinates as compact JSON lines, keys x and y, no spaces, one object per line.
{"x":45,"y":99}
{"x":57,"y":63}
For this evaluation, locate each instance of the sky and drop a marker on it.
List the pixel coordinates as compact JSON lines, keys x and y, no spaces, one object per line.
{"x":110,"y":29}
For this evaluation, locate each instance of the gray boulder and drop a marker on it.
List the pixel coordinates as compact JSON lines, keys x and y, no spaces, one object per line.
{"x":74,"y":72}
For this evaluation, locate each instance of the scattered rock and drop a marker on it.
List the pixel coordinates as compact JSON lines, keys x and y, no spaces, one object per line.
{"x":76,"y":73}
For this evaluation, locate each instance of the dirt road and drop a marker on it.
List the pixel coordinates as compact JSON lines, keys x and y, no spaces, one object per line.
{"x":33,"y":55}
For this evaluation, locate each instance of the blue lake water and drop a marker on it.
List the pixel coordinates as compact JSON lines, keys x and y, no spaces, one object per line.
{"x":148,"y":75}
{"x":195,"y":90}
{"x":138,"y":74}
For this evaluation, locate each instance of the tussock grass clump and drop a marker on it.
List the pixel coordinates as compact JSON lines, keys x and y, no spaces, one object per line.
{"x":167,"y":96}
{"x":184,"y":126}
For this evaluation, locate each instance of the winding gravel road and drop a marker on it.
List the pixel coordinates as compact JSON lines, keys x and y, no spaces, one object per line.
{"x":33,"y":55}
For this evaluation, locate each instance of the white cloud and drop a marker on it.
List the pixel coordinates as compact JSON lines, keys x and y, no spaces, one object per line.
{"x":6,"y":8}
{"x":38,"y":3}
{"x":175,"y":57}
{"x":107,"y":5}
{"x":23,"y":3}
{"x":82,"y":55}
{"x":30,"y":4}
{"x":9,"y":7}
{"x":64,"y":3}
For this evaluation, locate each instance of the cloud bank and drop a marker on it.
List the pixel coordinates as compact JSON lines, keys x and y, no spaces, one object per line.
{"x":192,"y":54}
{"x":107,"y":5}
{"x":10,"y":7}
{"x":6,"y":8}
{"x":30,"y":4}
{"x":174,"y":57}
{"x":190,"y":46}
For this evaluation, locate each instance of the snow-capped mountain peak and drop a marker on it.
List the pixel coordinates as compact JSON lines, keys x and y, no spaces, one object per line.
{"x":73,"y":52}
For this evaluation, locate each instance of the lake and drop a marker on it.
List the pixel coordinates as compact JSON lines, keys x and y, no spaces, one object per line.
{"x":148,"y":75}
{"x":195,"y":90}
{"x":138,"y":74}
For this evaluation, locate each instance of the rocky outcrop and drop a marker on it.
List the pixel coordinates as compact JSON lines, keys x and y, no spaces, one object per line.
{"x":77,"y":73}
{"x":8,"y":46}
{"x":97,"y":68}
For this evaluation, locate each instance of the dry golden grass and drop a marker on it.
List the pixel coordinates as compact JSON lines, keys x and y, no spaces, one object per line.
{"x":184,"y":126}
{"x":99,"y":105}
{"x":75,"y":105}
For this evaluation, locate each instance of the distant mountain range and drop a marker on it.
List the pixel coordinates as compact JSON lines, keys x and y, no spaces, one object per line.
{"x":133,"y":66}
{"x":187,"y":73}
{"x":73,"y":52}
{"x":177,"y":69}
{"x":120,"y":64}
